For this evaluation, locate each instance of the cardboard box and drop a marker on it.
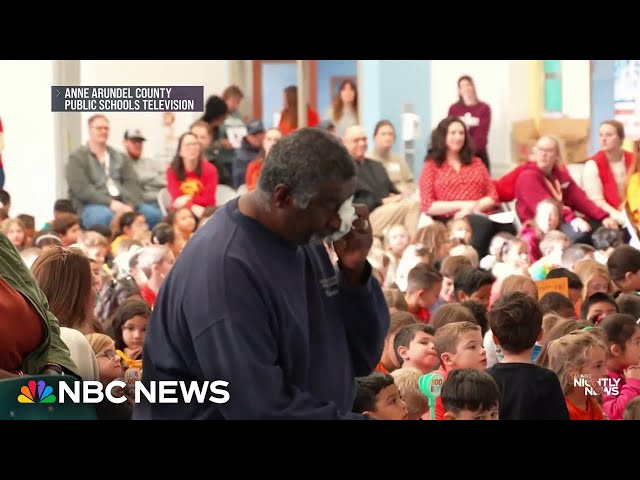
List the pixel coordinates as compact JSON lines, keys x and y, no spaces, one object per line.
{"x":573,"y":133}
{"x":524,"y":135}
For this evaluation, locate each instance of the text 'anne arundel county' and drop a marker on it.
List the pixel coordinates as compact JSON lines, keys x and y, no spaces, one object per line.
{"x":124,"y":99}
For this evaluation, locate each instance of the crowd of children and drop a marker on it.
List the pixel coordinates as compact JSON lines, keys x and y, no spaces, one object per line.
{"x":503,"y":351}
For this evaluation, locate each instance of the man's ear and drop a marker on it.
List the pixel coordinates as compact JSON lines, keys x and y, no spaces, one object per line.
{"x":449,"y":416}
{"x":282,"y":196}
{"x":540,"y":335}
{"x":495,"y":339}
{"x":369,"y":414}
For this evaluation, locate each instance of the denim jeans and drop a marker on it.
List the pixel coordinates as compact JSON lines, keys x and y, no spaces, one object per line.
{"x":94,"y":214}
{"x":151,"y":212}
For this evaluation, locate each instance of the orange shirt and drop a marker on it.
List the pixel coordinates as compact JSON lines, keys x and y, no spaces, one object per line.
{"x":593,"y":411}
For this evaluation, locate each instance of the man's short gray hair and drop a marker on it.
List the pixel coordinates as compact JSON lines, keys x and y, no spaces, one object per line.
{"x":304,"y":160}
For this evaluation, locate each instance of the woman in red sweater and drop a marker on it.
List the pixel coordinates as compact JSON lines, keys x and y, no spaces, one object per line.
{"x":191,"y":181}
{"x":542,"y":178}
{"x":455,"y":184}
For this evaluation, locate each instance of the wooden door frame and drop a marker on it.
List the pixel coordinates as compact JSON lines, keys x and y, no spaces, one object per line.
{"x":256,"y":68}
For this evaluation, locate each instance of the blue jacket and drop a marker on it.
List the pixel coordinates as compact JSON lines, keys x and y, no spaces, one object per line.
{"x":275,"y":321}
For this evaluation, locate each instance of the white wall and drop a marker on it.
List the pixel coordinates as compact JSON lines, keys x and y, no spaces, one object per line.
{"x":503,"y":84}
{"x":29,"y":156}
{"x":576,"y":88}
{"x":212,"y":74}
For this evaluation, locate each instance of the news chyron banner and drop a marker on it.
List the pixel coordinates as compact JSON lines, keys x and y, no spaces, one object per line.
{"x":127,"y":99}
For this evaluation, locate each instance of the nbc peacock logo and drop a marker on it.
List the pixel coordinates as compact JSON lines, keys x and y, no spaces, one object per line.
{"x":44,"y":393}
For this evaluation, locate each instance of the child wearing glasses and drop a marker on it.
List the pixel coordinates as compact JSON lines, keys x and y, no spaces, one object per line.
{"x":110,"y":370}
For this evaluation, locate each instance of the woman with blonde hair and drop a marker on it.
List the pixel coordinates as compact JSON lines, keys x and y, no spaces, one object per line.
{"x":547,"y":177}
{"x":64,"y":276}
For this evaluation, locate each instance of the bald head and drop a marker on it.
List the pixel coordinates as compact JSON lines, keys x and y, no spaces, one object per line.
{"x":355,"y":139}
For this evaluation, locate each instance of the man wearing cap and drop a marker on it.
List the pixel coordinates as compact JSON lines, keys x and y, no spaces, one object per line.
{"x":150,"y":173}
{"x":248,"y":151}
{"x":102,"y":181}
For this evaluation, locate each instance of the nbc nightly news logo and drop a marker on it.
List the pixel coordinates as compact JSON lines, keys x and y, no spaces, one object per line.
{"x":90,"y":391}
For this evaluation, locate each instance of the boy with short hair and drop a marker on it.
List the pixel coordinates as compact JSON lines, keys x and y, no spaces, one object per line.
{"x":458,"y":345}
{"x":389,"y":360}
{"x":67,"y":227}
{"x":423,"y":289}
{"x":474,"y":284}
{"x":629,"y":303}
{"x":449,"y":269}
{"x":378,"y":397}
{"x":529,"y":392}
{"x":470,"y":394}
{"x":555,"y":302}
{"x":60,"y":207}
{"x":598,"y":305}
{"x":414,"y":347}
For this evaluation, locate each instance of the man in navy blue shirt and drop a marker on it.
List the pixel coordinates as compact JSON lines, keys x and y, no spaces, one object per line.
{"x":254,"y":300}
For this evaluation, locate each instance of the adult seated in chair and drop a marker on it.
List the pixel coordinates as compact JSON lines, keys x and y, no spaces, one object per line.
{"x":151,"y":174}
{"x":387,"y":205}
{"x":384,"y":136}
{"x":191,"y":180}
{"x":30,"y":342}
{"x":456,"y":184}
{"x":102,"y":181}
{"x":606,"y":172}
{"x":543,"y":178}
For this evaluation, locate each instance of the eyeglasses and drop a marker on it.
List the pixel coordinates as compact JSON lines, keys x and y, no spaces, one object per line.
{"x":110,"y":354}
